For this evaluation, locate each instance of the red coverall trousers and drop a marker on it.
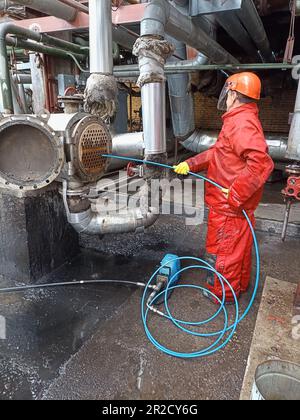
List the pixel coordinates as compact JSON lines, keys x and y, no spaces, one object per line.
{"x":239,"y":162}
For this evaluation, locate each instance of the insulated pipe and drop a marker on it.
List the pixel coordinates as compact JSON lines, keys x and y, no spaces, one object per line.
{"x":253,"y":23}
{"x":154,"y":118}
{"x":201,"y":140}
{"x":179,"y":85}
{"x":128,"y":145}
{"x":161,"y":17}
{"x":50,"y":7}
{"x":101,"y":47}
{"x":293,"y":151}
{"x":181,"y":99}
{"x":132,"y":220}
{"x":123,"y":37}
{"x":233,"y":26}
{"x":132,"y":144}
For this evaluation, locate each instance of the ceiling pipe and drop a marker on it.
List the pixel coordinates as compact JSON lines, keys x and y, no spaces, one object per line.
{"x":161,"y":17}
{"x":233,"y":26}
{"x":76,"y":4}
{"x":50,"y":7}
{"x":251,"y":20}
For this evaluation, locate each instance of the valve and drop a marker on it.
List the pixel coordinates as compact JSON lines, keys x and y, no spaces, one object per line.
{"x":133,"y":169}
{"x":291,"y":195}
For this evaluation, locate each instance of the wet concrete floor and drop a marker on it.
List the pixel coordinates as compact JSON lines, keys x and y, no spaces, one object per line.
{"x":88,"y":342}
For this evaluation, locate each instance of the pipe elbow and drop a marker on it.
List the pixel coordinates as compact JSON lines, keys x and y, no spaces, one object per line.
{"x":130,"y":222}
{"x":155,"y":18}
{"x":5,"y":28}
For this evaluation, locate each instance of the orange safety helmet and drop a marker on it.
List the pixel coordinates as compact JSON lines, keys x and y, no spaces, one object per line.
{"x":246,"y":83}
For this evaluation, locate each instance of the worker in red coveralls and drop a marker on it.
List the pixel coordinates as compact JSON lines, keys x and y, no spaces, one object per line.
{"x":240,"y":162}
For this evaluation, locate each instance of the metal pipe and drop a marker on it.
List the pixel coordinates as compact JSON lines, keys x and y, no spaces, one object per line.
{"x":161,"y":17}
{"x":128,"y":145}
{"x":180,"y":95}
{"x":293,"y":151}
{"x":52,"y":8}
{"x":197,"y":65}
{"x":23,"y":79}
{"x":154,"y":118}
{"x":41,"y":48}
{"x":101,"y":60}
{"x":233,"y":26}
{"x":123,"y":37}
{"x":202,"y":140}
{"x":253,"y":23}
{"x":9,"y":28}
{"x":132,"y":220}
{"x":76,"y":5}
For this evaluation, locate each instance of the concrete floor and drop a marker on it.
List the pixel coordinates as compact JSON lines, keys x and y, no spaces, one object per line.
{"x":88,"y":342}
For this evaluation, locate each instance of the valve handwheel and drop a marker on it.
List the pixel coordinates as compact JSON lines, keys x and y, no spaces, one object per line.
{"x":131,"y":169}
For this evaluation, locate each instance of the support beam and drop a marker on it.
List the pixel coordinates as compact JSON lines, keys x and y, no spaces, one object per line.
{"x":124,"y":15}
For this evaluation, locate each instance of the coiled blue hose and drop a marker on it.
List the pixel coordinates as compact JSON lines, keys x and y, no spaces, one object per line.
{"x":221,"y":340}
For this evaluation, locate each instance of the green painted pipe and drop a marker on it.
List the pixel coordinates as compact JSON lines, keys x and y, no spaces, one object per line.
{"x":9,"y":28}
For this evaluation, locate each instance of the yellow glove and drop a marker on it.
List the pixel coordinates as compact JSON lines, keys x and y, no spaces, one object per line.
{"x":226,"y":192}
{"x":182,"y":169}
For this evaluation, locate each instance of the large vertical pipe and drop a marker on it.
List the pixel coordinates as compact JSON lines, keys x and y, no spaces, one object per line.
{"x":101,"y":46}
{"x":181,"y":99}
{"x":154,"y":118}
{"x":293,"y":151}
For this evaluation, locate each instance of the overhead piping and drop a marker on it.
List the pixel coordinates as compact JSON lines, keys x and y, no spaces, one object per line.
{"x":233,"y":26}
{"x":76,"y":5}
{"x":50,"y":7}
{"x":161,"y":17}
{"x":253,"y":23}
{"x":198,"y":65}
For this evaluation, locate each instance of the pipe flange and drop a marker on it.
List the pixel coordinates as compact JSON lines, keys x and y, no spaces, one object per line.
{"x":31,"y":153}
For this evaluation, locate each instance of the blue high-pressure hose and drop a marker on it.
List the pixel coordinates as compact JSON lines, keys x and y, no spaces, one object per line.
{"x":230,"y":329}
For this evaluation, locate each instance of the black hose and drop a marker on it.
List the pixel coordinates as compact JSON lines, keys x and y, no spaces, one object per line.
{"x":73,"y":283}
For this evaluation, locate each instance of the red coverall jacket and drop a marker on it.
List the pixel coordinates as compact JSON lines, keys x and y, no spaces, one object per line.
{"x":240,"y":162}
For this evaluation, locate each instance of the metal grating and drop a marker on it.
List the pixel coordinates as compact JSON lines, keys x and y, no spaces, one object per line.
{"x":92,"y":144}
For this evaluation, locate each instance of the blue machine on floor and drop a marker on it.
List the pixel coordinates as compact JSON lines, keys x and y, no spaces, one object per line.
{"x":170,"y":265}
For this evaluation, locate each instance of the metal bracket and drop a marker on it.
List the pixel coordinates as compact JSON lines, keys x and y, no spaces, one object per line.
{"x":205,"y":7}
